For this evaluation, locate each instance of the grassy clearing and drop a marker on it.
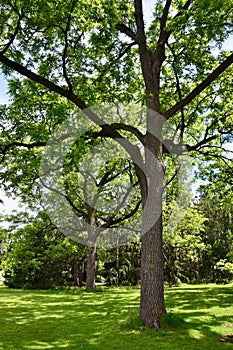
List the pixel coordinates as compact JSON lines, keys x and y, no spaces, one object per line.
{"x":107,"y":319}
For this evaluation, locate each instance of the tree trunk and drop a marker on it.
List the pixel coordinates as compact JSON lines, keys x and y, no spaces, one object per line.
{"x":152,"y":306}
{"x":75,"y":274}
{"x":91,"y":268}
{"x":117,"y":261}
{"x":91,"y":256}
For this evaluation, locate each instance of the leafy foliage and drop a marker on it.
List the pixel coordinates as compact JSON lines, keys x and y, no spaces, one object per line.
{"x":218,"y":236}
{"x":183,"y":244}
{"x":39,"y":256}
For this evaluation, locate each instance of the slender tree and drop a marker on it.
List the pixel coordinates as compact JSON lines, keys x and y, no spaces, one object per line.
{"x":92,"y":52}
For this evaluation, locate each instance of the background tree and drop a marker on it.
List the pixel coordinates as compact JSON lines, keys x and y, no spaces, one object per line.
{"x":85,"y":52}
{"x":216,"y":204}
{"x":39,"y":256}
{"x":184,"y":245}
{"x":121,"y":264}
{"x":90,"y":190}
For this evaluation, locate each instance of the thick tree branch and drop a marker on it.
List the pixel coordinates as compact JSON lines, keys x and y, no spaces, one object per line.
{"x":165,"y":15}
{"x":31,"y":145}
{"x":43,"y":81}
{"x":145,"y":52}
{"x":140,"y":23}
{"x":179,"y":93}
{"x":130,"y":128}
{"x":4,"y":148}
{"x":127,"y":31}
{"x":66,"y":48}
{"x":123,"y":52}
{"x":202,"y":142}
{"x":163,"y":36}
{"x":159,"y":54}
{"x":107,"y":130}
{"x":202,"y":86}
{"x":185,"y":7}
{"x":65,"y":196}
{"x":17,"y":28}
{"x":112,"y":222}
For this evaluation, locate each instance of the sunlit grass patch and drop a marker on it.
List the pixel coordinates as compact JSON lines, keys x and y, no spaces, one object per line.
{"x":198,"y":316}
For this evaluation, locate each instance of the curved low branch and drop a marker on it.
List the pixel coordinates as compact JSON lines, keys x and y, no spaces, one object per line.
{"x":130,"y":128}
{"x":112,"y":222}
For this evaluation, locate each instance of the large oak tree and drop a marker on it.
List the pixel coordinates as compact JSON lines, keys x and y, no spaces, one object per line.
{"x":88,"y":52}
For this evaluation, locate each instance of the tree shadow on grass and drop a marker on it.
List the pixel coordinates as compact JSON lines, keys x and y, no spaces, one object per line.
{"x":207,"y":311}
{"x":74,"y":319}
{"x":201,"y":295}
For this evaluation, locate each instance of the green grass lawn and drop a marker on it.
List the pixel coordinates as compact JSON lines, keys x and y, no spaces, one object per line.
{"x":107,"y":319}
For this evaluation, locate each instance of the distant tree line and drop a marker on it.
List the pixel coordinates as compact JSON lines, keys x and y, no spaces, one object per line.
{"x":199,"y":249}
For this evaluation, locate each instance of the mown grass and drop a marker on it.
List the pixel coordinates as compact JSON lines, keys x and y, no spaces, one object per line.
{"x":108,"y":319}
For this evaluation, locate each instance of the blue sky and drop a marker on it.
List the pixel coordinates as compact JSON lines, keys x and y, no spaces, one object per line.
{"x":3,"y":90}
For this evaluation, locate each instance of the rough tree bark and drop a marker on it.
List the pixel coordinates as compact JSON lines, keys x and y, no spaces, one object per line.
{"x":75,"y":274}
{"x":91,"y":256}
{"x":152,"y":306}
{"x":91,"y":268}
